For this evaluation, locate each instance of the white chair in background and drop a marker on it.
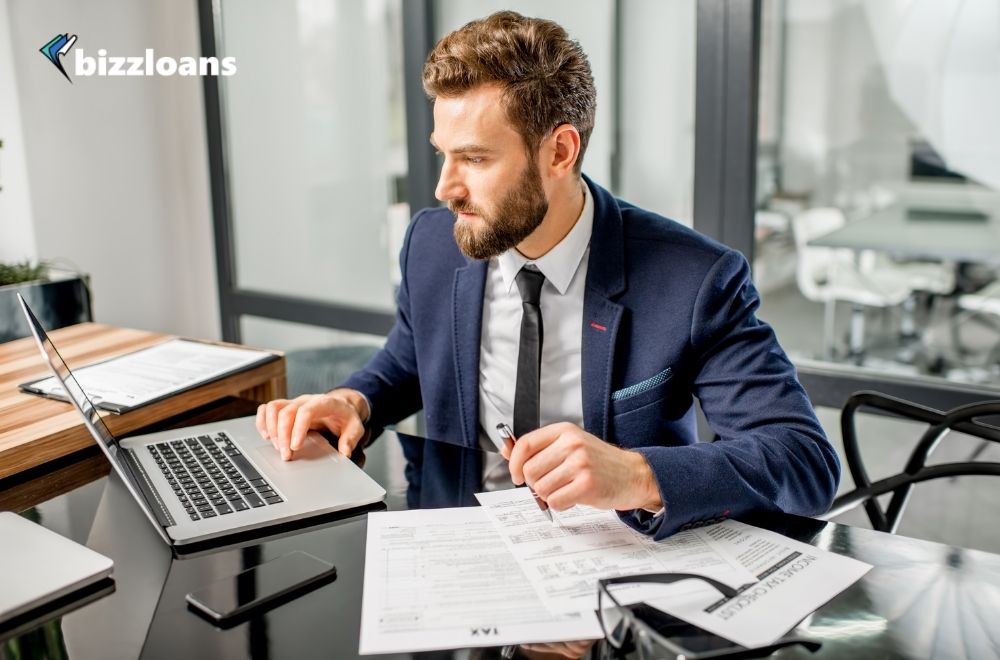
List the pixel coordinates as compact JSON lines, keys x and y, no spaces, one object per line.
{"x":828,"y":275}
{"x":938,"y":278}
{"x":933,"y":279}
{"x":985,"y":302}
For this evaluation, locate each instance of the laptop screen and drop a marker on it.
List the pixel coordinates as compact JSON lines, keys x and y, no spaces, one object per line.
{"x":70,"y":385}
{"x":93,"y":421}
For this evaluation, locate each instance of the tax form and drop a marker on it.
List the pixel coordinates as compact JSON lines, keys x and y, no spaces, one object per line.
{"x":443,"y":578}
{"x":146,"y":375}
{"x":565,"y":560}
{"x":794,"y":579}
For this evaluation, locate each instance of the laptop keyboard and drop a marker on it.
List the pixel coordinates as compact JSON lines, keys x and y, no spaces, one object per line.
{"x":211,"y":477}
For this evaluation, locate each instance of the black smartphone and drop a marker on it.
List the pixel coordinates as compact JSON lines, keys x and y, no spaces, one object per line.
{"x":262,"y":587}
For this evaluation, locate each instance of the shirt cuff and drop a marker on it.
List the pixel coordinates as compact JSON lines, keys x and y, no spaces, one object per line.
{"x":645,"y":515}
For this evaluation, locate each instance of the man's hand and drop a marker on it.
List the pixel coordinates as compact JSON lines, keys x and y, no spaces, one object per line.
{"x":285,"y":422}
{"x":572,"y":650}
{"x":568,"y":466}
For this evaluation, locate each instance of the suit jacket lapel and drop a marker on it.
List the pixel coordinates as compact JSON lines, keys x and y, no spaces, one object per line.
{"x":467,"y":301}
{"x":601,"y":315}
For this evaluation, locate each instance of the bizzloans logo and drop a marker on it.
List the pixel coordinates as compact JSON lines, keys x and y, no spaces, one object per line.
{"x":136,"y":65}
{"x":57,"y":48}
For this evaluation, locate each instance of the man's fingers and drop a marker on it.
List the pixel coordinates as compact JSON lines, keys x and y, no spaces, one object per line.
{"x":271,"y":417}
{"x":286,"y":420}
{"x":350,"y":434}
{"x":312,"y":415}
{"x":544,"y":462}
{"x":530,"y":444}
{"x":508,"y":447}
{"x":300,"y":428}
{"x":565,"y":649}
{"x":288,"y":423}
{"x":569,"y":495}
{"x":261,"y":425}
{"x":552,"y":481}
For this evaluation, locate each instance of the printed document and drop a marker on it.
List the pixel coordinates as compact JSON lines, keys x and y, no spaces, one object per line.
{"x":565,"y":559}
{"x":781,"y":581}
{"x":794,"y":580}
{"x":443,"y":578}
{"x":152,"y":373}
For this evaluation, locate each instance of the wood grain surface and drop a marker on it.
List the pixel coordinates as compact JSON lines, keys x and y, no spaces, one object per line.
{"x":34,"y":430}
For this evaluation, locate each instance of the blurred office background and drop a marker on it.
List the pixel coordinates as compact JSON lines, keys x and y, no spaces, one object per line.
{"x":848,"y":147}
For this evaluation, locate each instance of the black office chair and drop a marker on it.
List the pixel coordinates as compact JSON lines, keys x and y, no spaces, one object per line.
{"x":56,"y":303}
{"x":312,"y":370}
{"x":964,"y":419}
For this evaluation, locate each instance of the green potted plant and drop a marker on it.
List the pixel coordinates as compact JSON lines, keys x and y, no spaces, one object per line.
{"x":57,"y":297}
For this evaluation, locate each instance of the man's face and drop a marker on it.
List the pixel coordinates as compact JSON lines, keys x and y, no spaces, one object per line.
{"x":487,"y":179}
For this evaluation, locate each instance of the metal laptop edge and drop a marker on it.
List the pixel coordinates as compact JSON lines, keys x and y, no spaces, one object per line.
{"x":321,"y":482}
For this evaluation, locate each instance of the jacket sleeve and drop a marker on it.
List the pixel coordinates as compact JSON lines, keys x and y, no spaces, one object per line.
{"x":389,"y":380}
{"x":771,"y":453}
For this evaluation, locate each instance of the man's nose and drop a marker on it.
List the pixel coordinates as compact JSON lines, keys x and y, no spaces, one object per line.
{"x":449,"y":184}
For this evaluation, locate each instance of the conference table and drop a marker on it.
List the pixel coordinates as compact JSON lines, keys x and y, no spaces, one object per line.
{"x":920,"y":600}
{"x":908,"y":231}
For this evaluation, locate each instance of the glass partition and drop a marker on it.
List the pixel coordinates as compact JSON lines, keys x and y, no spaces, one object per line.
{"x":878,"y":221}
{"x":312,"y":168}
{"x":642,"y":55}
{"x":316,"y":147}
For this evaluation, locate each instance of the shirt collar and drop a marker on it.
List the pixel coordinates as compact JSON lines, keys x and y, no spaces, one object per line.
{"x":559,"y":264}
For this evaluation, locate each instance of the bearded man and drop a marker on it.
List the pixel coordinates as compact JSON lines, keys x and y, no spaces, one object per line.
{"x":536,"y":297}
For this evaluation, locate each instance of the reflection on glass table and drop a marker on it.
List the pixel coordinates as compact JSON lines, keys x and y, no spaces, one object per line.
{"x":37,"y":633}
{"x":147,"y":615}
{"x":646,"y":633}
{"x":653,"y":634}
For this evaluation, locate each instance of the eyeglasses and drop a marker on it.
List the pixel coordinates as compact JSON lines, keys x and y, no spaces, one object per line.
{"x":620,"y":623}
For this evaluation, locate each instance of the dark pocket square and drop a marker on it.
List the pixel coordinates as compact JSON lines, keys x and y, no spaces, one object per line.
{"x":642,"y":386}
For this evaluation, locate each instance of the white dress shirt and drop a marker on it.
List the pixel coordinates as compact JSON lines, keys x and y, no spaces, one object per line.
{"x":561,"y":396}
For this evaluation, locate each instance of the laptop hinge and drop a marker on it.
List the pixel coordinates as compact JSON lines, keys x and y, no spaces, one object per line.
{"x":157,"y":506}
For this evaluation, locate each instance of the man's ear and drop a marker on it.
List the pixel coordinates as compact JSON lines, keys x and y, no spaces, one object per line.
{"x":564,"y":150}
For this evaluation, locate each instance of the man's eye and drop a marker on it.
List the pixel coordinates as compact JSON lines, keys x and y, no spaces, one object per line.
{"x":475,"y":160}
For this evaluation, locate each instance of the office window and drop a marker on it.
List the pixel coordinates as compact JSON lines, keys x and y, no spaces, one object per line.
{"x":657,"y":69}
{"x":878,"y":221}
{"x":312,"y":134}
{"x":316,"y":147}
{"x":642,"y":56}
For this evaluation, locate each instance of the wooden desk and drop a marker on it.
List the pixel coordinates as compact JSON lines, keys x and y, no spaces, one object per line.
{"x":34,"y":430}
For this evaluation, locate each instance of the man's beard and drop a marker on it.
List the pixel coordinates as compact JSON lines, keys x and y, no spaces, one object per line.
{"x":517,"y":215}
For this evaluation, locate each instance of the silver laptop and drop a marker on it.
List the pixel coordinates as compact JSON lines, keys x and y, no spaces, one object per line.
{"x":208,"y":481}
{"x":38,"y":566}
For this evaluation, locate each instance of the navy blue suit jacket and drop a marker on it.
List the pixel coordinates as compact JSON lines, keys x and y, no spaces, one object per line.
{"x":669,"y":315}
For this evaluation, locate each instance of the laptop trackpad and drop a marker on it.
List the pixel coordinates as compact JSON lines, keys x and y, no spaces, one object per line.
{"x":316,"y":454}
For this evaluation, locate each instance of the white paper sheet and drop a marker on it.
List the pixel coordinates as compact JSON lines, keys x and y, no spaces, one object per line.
{"x":564,"y":560}
{"x":154,"y":372}
{"x":443,"y":578}
{"x":794,"y":580}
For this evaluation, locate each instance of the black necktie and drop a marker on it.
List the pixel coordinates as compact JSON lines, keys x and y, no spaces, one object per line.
{"x":529,"y":356}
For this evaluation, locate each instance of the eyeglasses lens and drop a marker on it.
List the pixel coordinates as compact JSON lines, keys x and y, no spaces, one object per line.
{"x":613,"y":622}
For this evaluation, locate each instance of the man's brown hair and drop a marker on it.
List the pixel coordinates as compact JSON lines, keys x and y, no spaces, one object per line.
{"x":545,"y":76}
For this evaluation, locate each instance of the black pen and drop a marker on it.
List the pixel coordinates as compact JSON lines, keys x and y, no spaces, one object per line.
{"x":507,"y":434}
